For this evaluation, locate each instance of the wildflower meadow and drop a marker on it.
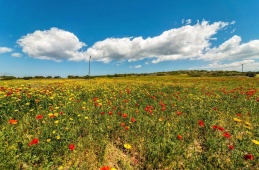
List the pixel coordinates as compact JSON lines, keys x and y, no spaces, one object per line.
{"x":138,"y":122}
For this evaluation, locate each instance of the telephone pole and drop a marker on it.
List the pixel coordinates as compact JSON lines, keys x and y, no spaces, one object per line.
{"x":89,"y":66}
{"x":242,"y":68}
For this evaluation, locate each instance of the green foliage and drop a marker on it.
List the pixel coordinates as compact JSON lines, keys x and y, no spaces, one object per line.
{"x":7,"y":77}
{"x":251,"y":74}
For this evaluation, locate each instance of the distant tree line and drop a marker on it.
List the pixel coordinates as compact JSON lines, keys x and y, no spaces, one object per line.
{"x":190,"y":73}
{"x":28,"y":77}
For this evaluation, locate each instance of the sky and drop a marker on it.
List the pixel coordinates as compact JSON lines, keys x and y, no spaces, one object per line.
{"x":57,"y":37}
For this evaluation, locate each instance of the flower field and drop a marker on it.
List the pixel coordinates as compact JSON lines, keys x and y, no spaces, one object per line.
{"x":161,"y":122}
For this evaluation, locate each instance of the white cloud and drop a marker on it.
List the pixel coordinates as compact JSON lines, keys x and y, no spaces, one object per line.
{"x":137,"y":66}
{"x":233,"y":49}
{"x":54,"y":44}
{"x":186,"y":42}
{"x":188,"y":21}
{"x":5,"y":50}
{"x":16,"y":55}
{"x":233,"y":31}
{"x":248,"y":65}
{"x":192,"y":42}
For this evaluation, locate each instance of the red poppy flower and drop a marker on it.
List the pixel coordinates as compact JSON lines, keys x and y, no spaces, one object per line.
{"x":105,"y":168}
{"x":179,"y":113}
{"x":122,"y":124}
{"x":34,"y":141}
{"x":133,"y":120}
{"x":110,"y":112}
{"x":201,"y":123}
{"x":13,"y":121}
{"x":220,"y":128}
{"x":126,"y":128}
{"x":214,"y":127}
{"x":227,"y":135}
{"x":179,"y":137}
{"x":71,"y":146}
{"x":231,"y":147}
{"x":124,"y":115}
{"x":248,"y":156}
{"x":39,"y":117}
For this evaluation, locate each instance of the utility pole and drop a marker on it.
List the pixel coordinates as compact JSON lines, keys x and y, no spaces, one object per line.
{"x":89,"y":66}
{"x":242,"y":68}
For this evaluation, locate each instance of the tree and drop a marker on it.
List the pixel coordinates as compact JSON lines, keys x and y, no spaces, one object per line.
{"x":251,"y":74}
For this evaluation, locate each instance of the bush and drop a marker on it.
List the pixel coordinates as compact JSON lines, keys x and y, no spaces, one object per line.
{"x":7,"y":77}
{"x":251,"y":74}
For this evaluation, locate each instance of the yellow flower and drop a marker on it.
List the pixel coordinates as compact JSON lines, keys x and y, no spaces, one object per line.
{"x":127,"y":146}
{"x":56,"y":122}
{"x":56,"y":114}
{"x":60,"y":168}
{"x":248,"y":132}
{"x":255,"y":142}
{"x":248,"y":124}
{"x":48,"y":140}
{"x":86,"y":117}
{"x":237,"y":120}
{"x":239,"y":136}
{"x":58,"y":137}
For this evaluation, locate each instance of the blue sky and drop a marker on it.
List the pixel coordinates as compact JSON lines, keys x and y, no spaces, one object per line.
{"x":56,"y":37}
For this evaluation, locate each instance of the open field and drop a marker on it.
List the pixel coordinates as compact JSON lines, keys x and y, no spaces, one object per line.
{"x":161,"y":122}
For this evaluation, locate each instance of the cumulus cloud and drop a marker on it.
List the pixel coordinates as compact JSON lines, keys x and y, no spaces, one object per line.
{"x":5,"y":50}
{"x":186,"y":42}
{"x":191,"y":42}
{"x":16,"y":55}
{"x":54,"y":44}
{"x":250,"y":65}
{"x":233,"y":49}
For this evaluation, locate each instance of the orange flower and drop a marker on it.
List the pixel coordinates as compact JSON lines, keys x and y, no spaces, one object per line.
{"x":179,"y":137}
{"x":124,"y":115}
{"x":13,"y":121}
{"x":126,"y":128}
